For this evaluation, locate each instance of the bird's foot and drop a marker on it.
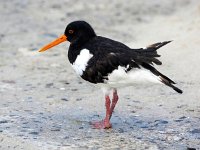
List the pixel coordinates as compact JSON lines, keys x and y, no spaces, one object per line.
{"x":104,"y":124}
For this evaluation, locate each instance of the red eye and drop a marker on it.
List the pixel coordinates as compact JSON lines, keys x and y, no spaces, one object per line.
{"x":71,"y":31}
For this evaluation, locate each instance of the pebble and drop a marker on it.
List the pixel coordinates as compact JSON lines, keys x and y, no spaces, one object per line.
{"x":183,"y":117}
{"x":66,"y":137}
{"x":121,"y":130}
{"x":195,"y":131}
{"x":74,"y":89}
{"x":48,"y":85}
{"x":3,"y":121}
{"x":9,"y":81}
{"x":34,"y":133}
{"x":133,"y":111}
{"x":50,"y":96}
{"x":189,"y":148}
{"x":176,"y":138}
{"x":64,"y":99}
{"x":178,"y":120}
{"x":56,"y":129}
{"x":161,"y":122}
{"x":30,"y":69}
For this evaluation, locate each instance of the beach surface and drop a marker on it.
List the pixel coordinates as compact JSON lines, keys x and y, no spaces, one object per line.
{"x":45,"y":105}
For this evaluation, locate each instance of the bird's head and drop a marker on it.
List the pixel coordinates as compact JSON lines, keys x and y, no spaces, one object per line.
{"x":76,"y":32}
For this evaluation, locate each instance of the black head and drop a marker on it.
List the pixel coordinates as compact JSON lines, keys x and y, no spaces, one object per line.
{"x":79,"y":31}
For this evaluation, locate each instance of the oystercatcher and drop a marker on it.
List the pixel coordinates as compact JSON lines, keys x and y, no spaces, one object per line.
{"x":109,"y":63}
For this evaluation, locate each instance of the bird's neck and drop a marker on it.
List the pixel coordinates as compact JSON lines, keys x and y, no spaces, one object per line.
{"x":73,"y":52}
{"x":76,"y":46}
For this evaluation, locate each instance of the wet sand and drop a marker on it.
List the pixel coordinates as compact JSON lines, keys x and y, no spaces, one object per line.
{"x":45,"y":105}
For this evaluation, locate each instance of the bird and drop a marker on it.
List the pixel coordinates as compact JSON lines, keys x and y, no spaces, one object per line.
{"x":110,"y":64}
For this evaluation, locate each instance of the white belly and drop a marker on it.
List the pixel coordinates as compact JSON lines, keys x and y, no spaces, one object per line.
{"x":121,"y":78}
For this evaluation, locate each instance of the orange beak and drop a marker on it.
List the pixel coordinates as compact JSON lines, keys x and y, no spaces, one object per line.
{"x":59,"y":40}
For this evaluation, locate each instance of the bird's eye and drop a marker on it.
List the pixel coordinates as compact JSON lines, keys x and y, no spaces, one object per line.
{"x":71,"y":31}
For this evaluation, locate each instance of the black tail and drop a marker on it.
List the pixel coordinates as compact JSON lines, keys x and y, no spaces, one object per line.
{"x":149,"y":53}
{"x":156,"y":46}
{"x":164,"y":79}
{"x":169,"y":83}
{"x":176,"y":89}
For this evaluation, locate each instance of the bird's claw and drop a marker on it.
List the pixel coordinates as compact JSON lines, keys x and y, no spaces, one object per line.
{"x":104,"y":124}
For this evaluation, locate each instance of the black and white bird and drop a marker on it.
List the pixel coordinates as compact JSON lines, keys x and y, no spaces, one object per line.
{"x":110,"y":64}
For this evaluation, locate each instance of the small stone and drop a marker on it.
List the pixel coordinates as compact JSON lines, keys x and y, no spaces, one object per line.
{"x":161,"y":121}
{"x":76,"y":139}
{"x":195,"y":131}
{"x":66,"y":137}
{"x":64,"y":99}
{"x":189,"y":148}
{"x":121,"y":130}
{"x":176,"y":138}
{"x":191,"y":110}
{"x":57,"y":129}
{"x":24,"y":122}
{"x":183,"y":117}
{"x":9,"y":81}
{"x":29,"y":97}
{"x":144,"y":126}
{"x":34,"y":133}
{"x":3,"y":121}
{"x":2,"y":35}
{"x":78,"y":99}
{"x":50,"y":96}
{"x":48,"y":85}
{"x":56,"y":6}
{"x":178,"y":120}
{"x":74,"y":89}
{"x":96,"y":115}
{"x":62,"y":88}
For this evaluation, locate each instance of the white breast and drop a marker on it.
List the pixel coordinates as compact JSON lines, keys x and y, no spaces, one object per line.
{"x":81,"y":61}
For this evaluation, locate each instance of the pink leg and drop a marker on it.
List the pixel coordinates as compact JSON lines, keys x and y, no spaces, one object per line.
{"x":114,"y":102}
{"x":104,"y":124}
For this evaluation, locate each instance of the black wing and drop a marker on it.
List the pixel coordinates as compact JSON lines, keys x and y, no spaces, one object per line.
{"x":107,"y":56}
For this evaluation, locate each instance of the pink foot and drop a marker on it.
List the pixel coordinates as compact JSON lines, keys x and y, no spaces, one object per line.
{"x":101,"y":124}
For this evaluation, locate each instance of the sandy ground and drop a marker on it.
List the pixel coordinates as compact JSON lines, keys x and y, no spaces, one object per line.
{"x":44,"y":105}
